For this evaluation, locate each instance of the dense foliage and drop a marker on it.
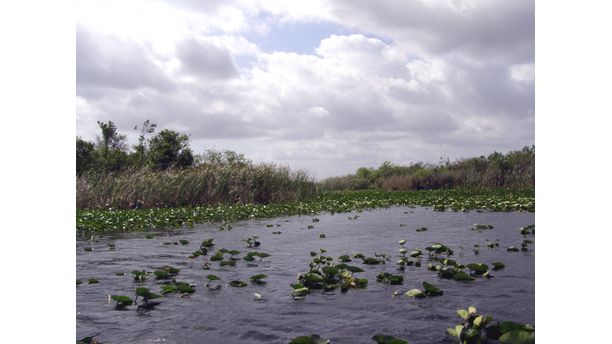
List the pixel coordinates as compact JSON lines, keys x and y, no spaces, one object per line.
{"x":515,"y":169}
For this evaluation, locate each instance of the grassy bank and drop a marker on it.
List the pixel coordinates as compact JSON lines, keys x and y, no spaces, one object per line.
{"x":108,"y":220}
{"x":242,"y":183}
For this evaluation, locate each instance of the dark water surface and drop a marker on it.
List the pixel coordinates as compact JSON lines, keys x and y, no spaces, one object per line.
{"x":233,"y":315}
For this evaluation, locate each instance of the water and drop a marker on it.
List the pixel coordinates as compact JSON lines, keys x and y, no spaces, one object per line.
{"x":232,"y":315}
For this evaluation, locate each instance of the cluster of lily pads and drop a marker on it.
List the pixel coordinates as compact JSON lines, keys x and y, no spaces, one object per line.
{"x":104,"y":220}
{"x":316,"y":339}
{"x":325,"y":274}
{"x":476,"y":329}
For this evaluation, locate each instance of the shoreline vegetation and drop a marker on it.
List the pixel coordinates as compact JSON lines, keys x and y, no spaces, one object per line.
{"x":112,"y":220}
{"x":161,"y":183}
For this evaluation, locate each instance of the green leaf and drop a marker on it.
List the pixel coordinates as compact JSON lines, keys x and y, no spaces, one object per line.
{"x":416,"y":293}
{"x":462,"y":276}
{"x":212,"y":278}
{"x":386,"y":339}
{"x":498,"y":266}
{"x":237,"y":283}
{"x":518,"y":337}
{"x":463,"y":314}
{"x":432,"y":289}
{"x":472,"y":310}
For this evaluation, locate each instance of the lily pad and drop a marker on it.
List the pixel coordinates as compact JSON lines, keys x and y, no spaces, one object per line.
{"x":431,"y":289}
{"x":386,"y":339}
{"x":122,"y":301}
{"x":498,"y":266}
{"x":237,"y":283}
{"x":462,"y":276}
{"x":416,"y":293}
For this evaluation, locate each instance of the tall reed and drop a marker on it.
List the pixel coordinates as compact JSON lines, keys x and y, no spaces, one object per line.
{"x":201,"y":185}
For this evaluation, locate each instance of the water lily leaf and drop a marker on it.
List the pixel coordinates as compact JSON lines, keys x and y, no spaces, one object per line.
{"x":498,"y":266}
{"x":432,"y":289}
{"x":518,"y":337}
{"x":258,"y":278}
{"x":161,"y":275}
{"x":313,"y":277}
{"x":416,"y":293}
{"x":183,"y":242}
{"x":385,"y":339}
{"x":146,"y":294}
{"x":455,"y":332}
{"x":361,"y":283}
{"x":314,"y":339}
{"x":513,"y":326}
{"x":462,"y":276}
{"x":354,"y":269}
{"x":371,"y":261}
{"x":168,"y":288}
{"x":300,"y":291}
{"x":463,"y":314}
{"x":330,"y":270}
{"x":472,"y":310}
{"x":122,"y":301}
{"x":237,"y":283}
{"x":344,"y":258}
{"x":478,"y":268}
{"x":402,"y":242}
{"x":212,"y":277}
{"x":184,"y":288}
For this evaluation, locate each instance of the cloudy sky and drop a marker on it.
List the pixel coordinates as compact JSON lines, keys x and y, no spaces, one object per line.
{"x":327,"y":86}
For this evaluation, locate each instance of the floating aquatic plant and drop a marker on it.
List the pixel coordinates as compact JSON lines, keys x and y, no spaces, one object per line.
{"x":92,"y":281}
{"x":481,"y":226}
{"x":313,"y":339}
{"x":498,"y":266}
{"x":385,"y":277}
{"x":237,"y":283}
{"x":122,"y":301}
{"x":146,"y":294}
{"x":422,"y":229}
{"x":257,"y":279}
{"x":252,"y":241}
{"x":386,"y":339}
{"x":477,"y":329}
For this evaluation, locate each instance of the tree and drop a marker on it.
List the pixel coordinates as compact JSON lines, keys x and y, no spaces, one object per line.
{"x":85,"y":155}
{"x":110,"y":138}
{"x":112,"y":147}
{"x":141,"y":148}
{"x":170,"y":148}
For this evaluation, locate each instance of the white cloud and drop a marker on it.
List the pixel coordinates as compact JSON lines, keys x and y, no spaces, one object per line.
{"x":412,"y":81}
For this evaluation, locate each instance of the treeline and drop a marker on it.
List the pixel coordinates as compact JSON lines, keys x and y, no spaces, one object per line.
{"x":515,"y":169}
{"x":162,"y":171}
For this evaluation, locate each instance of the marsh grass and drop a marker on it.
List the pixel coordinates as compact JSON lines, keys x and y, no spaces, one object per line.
{"x":202,"y":185}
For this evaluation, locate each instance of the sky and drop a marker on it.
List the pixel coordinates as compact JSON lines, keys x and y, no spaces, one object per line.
{"x":325,"y":86}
